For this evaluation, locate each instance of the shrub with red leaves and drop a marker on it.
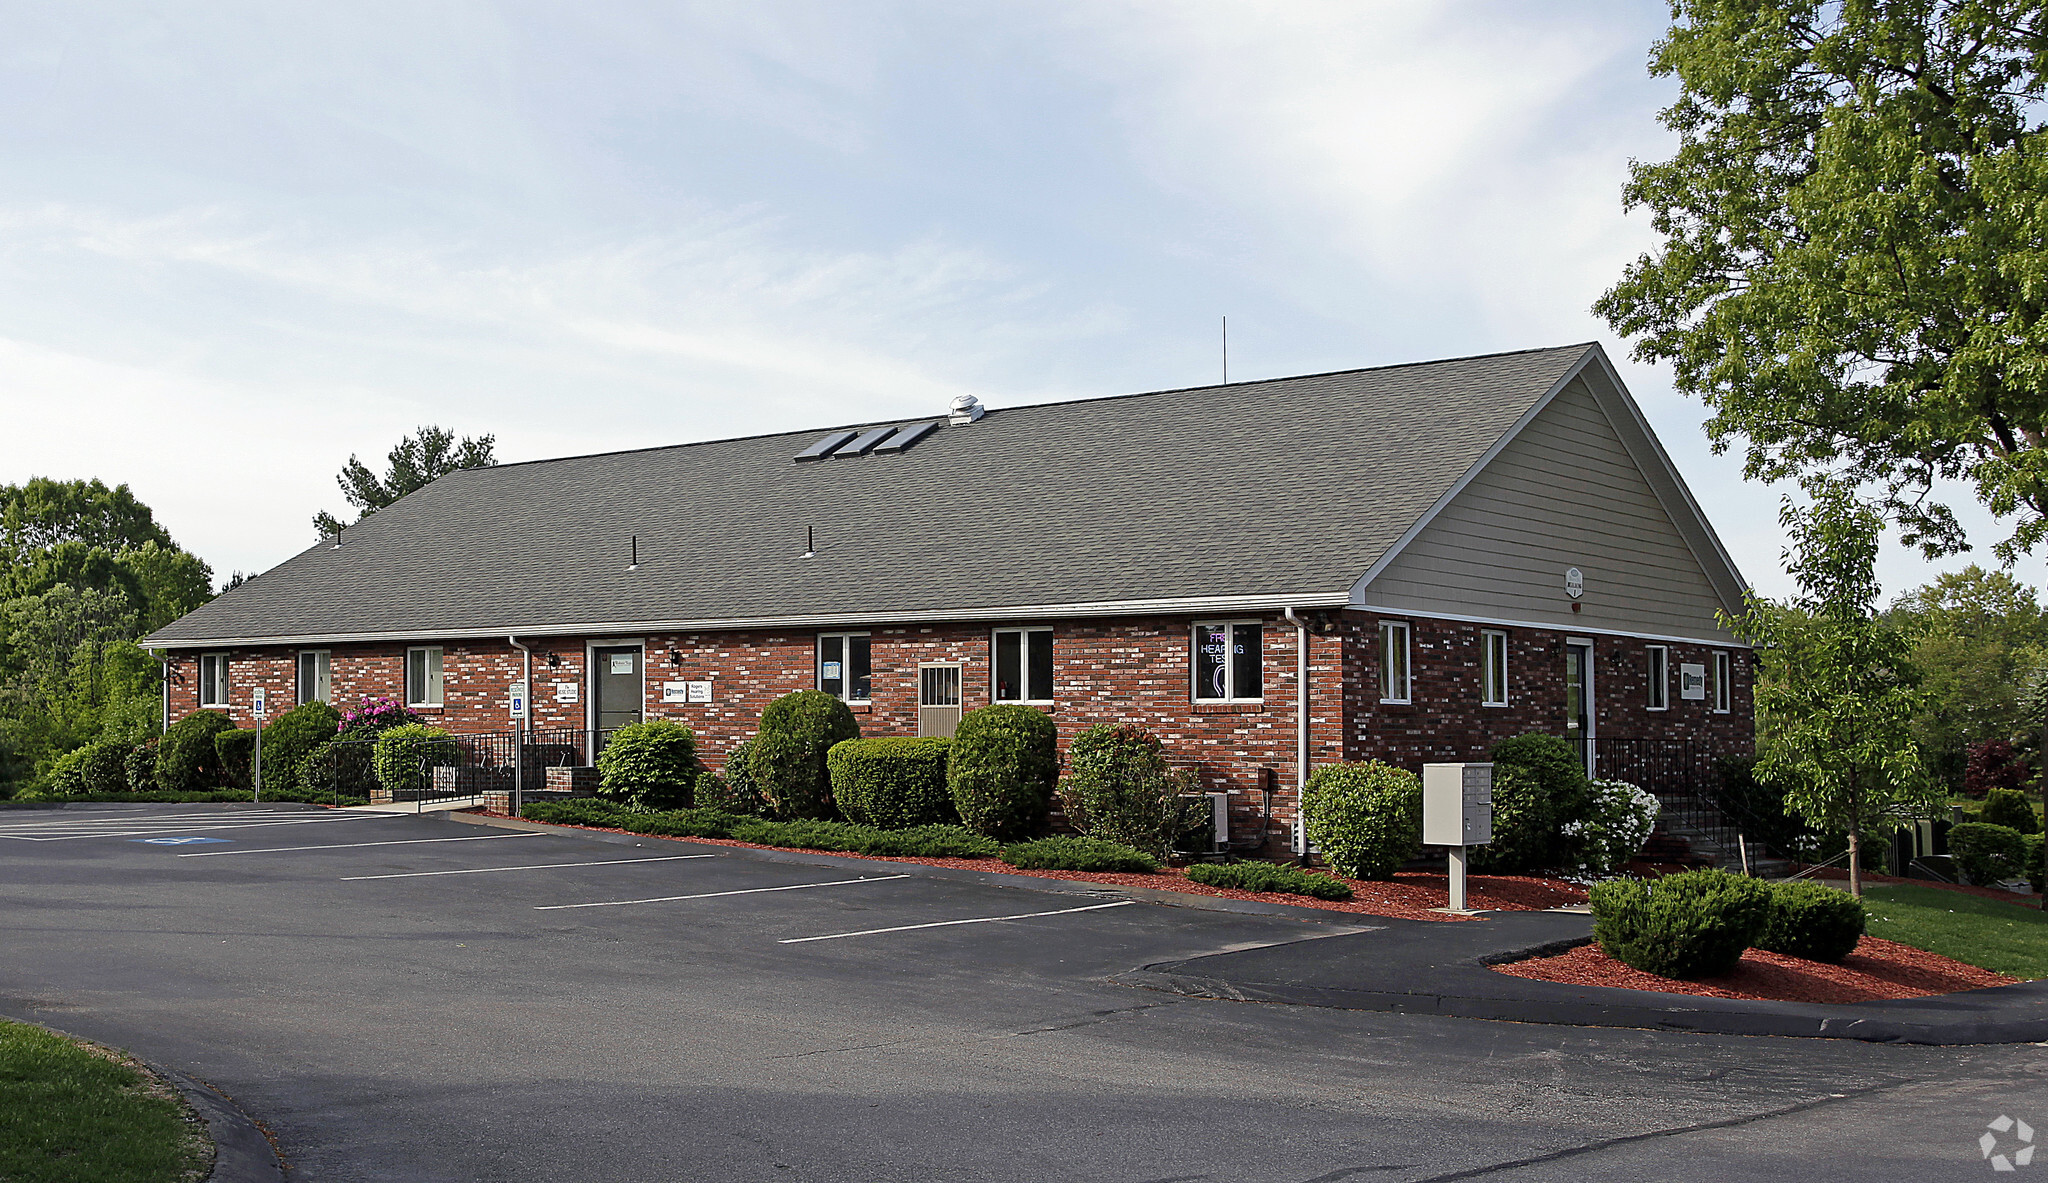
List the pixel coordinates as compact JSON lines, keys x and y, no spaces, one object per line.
{"x":1994,"y":765}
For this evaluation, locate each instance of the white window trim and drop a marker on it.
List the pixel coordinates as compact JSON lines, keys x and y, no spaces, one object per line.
{"x":1024,"y":666}
{"x":1486,"y":637}
{"x":226,"y":688}
{"x":299,"y":671}
{"x":818,"y":666}
{"x":1229,"y":659}
{"x":1658,"y":680}
{"x":1407,"y":660}
{"x":1723,"y":667}
{"x":406,"y":691}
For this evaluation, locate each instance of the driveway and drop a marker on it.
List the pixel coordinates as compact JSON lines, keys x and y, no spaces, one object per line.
{"x":408,"y":998}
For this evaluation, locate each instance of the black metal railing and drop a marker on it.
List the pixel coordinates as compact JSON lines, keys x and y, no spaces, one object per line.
{"x":427,"y":769}
{"x":1693,"y":783}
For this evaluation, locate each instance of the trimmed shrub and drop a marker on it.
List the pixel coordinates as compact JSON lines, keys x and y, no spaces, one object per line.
{"x":1693,"y":925}
{"x":1993,"y":764}
{"x":652,"y":765}
{"x":1539,"y":785}
{"x":406,"y":755}
{"x":892,"y":783}
{"x":290,"y":738}
{"x":787,"y":758}
{"x":811,"y":834}
{"x":185,"y":758}
{"x":732,"y":789}
{"x":66,"y":777}
{"x":1065,"y":852}
{"x":103,"y":767}
{"x":1269,"y":877}
{"x":237,"y":751}
{"x":1001,"y":770}
{"x":577,"y":811}
{"x":1118,"y":788}
{"x":339,"y":768}
{"x":2009,"y":808}
{"x":1618,"y":821}
{"x":1364,"y":818}
{"x":1988,"y":854}
{"x":1811,"y":920}
{"x":2037,"y":863}
{"x":139,"y":768}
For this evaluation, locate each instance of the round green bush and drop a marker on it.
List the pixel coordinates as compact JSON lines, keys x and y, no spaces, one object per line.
{"x":291,"y":737}
{"x":338,"y":766}
{"x":1539,"y":786}
{"x":2009,"y":808}
{"x":104,"y":767}
{"x":139,"y":768}
{"x":1693,"y":925}
{"x":787,"y":758}
{"x":892,"y":782}
{"x":1811,"y":920}
{"x":1118,"y":788}
{"x":652,"y":765}
{"x":237,"y":751}
{"x":66,"y":777}
{"x":1364,"y":818}
{"x":1988,"y":854}
{"x":1001,"y":770}
{"x":186,"y":761}
{"x":405,"y":757}
{"x":1065,"y":852}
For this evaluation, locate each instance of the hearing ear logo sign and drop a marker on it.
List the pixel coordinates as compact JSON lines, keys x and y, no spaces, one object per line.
{"x":2003,"y":1152}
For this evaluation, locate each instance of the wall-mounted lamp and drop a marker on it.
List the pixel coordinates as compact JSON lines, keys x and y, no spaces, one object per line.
{"x":554,"y":660}
{"x":675,"y":657}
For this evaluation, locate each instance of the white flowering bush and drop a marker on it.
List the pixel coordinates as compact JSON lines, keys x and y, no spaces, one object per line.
{"x":1617,"y":824}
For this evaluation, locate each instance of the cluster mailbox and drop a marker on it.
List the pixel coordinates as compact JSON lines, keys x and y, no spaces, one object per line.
{"x":1457,"y":804}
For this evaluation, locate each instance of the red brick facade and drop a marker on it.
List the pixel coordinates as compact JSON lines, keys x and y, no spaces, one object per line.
{"x":1132,"y":669}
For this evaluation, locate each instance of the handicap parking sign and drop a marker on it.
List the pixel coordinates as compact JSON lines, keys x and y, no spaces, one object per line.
{"x":178,"y":841}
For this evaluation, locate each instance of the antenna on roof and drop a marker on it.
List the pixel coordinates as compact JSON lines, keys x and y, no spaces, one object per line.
{"x":1226,"y":351}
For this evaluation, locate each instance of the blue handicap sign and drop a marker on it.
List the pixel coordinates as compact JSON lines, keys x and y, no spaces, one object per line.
{"x":178,"y":841}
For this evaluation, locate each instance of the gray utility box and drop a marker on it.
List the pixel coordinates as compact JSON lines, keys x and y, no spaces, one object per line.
{"x":1457,"y":804}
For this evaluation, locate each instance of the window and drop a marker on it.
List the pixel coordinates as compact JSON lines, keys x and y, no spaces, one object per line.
{"x":843,"y":669}
{"x":1493,"y":668}
{"x":1723,"y":692}
{"x":1229,"y":662}
{"x":423,"y":677}
{"x":1023,"y":670}
{"x":1395,"y":683}
{"x":316,"y":676}
{"x":1659,"y":659}
{"x":213,"y":679}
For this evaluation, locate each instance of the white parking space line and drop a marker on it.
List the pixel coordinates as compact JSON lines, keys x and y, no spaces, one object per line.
{"x":668,"y":899}
{"x":870,"y":932}
{"x":352,"y":845}
{"x":54,"y":833}
{"x":610,"y":862}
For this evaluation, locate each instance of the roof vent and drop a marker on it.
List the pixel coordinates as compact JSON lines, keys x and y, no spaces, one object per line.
{"x":966,"y":409}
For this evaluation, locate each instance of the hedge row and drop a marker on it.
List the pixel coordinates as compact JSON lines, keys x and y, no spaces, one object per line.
{"x":1697,"y":924}
{"x":1270,"y":877}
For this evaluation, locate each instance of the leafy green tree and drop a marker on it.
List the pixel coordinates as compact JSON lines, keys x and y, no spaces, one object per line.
{"x":41,"y":513}
{"x":1853,"y":272}
{"x":1976,"y":633}
{"x":416,"y":461}
{"x":1838,"y":701}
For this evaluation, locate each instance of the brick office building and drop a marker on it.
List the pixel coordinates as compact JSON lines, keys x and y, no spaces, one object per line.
{"x":1451,"y":553}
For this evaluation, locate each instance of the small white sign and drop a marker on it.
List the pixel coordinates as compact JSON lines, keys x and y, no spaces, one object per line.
{"x":566,"y":691}
{"x":675,"y":692}
{"x":1692,"y":681}
{"x":262,"y":704}
{"x":515,"y":700}
{"x":1574,"y":582}
{"x":829,"y":670}
{"x":699,"y":691}
{"x":622,"y":663}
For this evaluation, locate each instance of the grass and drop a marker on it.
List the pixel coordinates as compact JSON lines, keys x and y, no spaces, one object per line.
{"x":2009,"y":938}
{"x":73,"y":1114}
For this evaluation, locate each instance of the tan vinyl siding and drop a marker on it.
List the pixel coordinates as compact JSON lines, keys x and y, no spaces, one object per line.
{"x":1564,"y":493}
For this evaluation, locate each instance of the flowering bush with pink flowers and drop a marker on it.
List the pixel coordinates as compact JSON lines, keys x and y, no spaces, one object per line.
{"x":373,"y":716}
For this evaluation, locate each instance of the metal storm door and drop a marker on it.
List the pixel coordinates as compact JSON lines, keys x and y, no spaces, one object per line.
{"x":1578,"y":698}
{"x":938,"y":700}
{"x":615,"y":686}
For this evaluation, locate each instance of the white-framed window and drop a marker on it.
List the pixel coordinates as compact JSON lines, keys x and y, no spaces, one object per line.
{"x":1397,"y":683}
{"x":213,"y":679}
{"x":316,"y":676}
{"x":1229,"y":661}
{"x":1493,"y":668}
{"x":1724,"y":691}
{"x":844,"y":669}
{"x":423,"y":676}
{"x":1023,"y":665}
{"x":1657,"y":667}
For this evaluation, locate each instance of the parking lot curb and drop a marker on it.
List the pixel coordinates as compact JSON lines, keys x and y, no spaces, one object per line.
{"x":242,"y":1151}
{"x":1150,"y":895}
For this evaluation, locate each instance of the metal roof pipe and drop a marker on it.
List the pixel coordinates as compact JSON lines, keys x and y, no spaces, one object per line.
{"x":519,"y":731}
{"x":1300,"y":727}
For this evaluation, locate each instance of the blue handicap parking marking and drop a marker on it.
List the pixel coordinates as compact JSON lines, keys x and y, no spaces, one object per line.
{"x":178,"y":841}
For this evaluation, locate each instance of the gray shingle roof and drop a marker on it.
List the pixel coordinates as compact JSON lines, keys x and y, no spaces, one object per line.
{"x":1289,"y":487}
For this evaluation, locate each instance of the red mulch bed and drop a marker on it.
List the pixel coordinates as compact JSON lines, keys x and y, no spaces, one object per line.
{"x":1876,"y":970}
{"x":1410,"y":895}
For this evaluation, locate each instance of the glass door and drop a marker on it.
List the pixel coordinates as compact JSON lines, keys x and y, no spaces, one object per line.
{"x":615,"y":689}
{"x":1578,"y":698}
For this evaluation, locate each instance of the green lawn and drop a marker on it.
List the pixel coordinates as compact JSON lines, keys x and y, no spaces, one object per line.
{"x":68,"y":1115}
{"x":2010,"y":938}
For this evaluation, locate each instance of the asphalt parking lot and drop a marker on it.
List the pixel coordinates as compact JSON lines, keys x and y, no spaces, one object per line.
{"x":407,"y":998}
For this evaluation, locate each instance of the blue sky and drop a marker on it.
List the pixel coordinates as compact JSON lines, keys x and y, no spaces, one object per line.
{"x":240,"y":242}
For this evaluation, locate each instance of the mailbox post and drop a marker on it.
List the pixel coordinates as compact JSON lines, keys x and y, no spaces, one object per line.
{"x":1457,"y":812}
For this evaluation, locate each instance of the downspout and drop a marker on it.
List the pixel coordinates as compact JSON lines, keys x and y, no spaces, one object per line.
{"x":519,"y":731}
{"x":163,"y":661}
{"x":1300,"y":726}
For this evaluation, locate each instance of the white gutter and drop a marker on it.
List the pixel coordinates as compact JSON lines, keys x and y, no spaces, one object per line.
{"x":1301,"y":699}
{"x":163,"y":662}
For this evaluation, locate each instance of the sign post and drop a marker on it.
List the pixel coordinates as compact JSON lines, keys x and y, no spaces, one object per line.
{"x":1457,"y":812}
{"x":262,"y":713}
{"x":515,"y":700}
